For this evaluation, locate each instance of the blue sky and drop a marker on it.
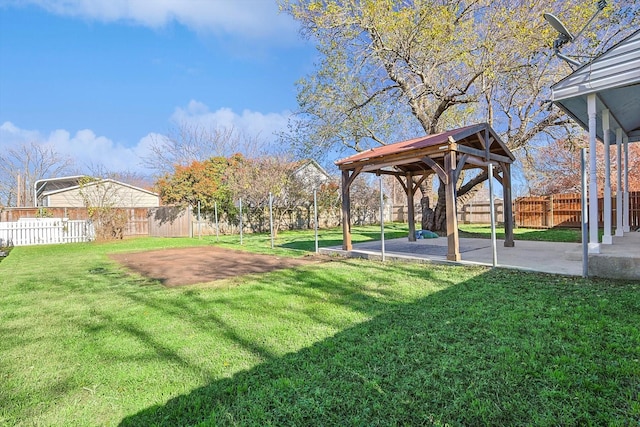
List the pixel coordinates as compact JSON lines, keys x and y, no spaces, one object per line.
{"x":96,"y":79}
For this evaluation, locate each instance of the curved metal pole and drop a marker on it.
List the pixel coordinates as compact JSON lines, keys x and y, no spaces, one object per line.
{"x":315,"y":216}
{"x":381,"y":220}
{"x":585,"y":214}
{"x":199,"y":223}
{"x":240,"y":204}
{"x":215,"y":210}
{"x":271,"y":217}
{"x":494,"y":250}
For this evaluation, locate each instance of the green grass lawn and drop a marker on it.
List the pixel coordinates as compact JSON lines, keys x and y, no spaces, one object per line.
{"x":568,"y":235}
{"x":301,"y":242}
{"x":345,"y":342}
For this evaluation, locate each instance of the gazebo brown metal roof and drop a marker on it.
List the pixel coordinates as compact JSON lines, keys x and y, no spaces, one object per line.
{"x":446,"y":154}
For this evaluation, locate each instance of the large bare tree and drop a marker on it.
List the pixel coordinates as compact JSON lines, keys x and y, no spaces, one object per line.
{"x":389,"y":69}
{"x":131,"y":177}
{"x":22,"y":166}
{"x":189,"y":142}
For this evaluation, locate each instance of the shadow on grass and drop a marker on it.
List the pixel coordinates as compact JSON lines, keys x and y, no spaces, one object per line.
{"x":503,"y":348}
{"x":315,"y":286}
{"x":308,"y":244}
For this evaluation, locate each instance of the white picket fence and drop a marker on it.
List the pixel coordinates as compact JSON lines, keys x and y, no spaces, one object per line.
{"x":45,"y":231}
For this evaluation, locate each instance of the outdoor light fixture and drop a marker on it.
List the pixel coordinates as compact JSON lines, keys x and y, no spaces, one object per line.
{"x":565,"y":36}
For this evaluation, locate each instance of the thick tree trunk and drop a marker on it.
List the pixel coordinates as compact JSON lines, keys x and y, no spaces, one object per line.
{"x":440,"y":213}
{"x":425,"y":204}
{"x":435,"y":219}
{"x":427,"y":213}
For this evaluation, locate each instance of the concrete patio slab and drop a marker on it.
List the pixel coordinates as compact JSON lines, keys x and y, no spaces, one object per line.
{"x":548,"y":257}
{"x":620,"y":260}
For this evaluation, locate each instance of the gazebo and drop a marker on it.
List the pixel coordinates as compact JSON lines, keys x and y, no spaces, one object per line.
{"x":603,"y":97}
{"x":446,"y":154}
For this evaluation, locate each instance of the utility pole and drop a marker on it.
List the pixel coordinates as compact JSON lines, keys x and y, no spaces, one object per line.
{"x":19,"y":190}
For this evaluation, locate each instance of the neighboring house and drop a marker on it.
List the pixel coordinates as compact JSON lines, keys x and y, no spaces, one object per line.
{"x":311,"y":175}
{"x":71,"y":192}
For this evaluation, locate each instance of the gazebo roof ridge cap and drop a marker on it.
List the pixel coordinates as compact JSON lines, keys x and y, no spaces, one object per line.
{"x":426,"y":142}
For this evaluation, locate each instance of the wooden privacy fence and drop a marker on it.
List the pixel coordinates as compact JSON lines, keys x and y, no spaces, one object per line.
{"x":168,"y":221}
{"x":137,"y":218}
{"x":565,"y":210}
{"x":480,"y":212}
{"x":562,"y":210}
{"x":16,"y":214}
{"x":44,"y":231}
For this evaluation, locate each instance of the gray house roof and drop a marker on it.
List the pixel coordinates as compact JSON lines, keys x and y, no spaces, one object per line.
{"x":311,"y":174}
{"x":615,"y":77}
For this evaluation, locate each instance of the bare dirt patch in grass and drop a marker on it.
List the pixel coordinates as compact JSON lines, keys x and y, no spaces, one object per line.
{"x":187,"y":266}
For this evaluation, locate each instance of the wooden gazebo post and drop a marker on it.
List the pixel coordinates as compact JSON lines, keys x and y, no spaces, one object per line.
{"x":347,"y":180}
{"x":411,"y":214}
{"x":453,"y":242}
{"x":346,"y":212}
{"x":507,"y":203}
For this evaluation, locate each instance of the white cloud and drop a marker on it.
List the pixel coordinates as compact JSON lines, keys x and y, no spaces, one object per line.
{"x":249,"y":122}
{"x":85,"y":148}
{"x":255,"y":19}
{"x":89,"y":150}
{"x":10,"y":132}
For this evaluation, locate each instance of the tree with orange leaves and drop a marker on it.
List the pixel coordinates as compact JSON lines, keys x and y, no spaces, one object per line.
{"x":555,"y":168}
{"x":200,"y":181}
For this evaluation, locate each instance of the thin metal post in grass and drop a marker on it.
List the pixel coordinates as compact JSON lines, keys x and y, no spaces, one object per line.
{"x":215,"y":211}
{"x":271,"y":217}
{"x":240,"y":206}
{"x":315,"y":216}
{"x":585,"y":214}
{"x":381,"y":221}
{"x":493,"y":217}
{"x":199,"y":223}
